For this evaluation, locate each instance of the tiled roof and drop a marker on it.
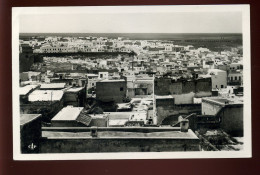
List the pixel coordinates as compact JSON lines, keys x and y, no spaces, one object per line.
{"x":84,"y":118}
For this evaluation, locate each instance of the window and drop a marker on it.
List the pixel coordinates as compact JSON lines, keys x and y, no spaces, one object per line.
{"x":93,"y":84}
{"x":222,"y":86}
{"x":235,"y":77}
{"x":239,"y":78}
{"x":101,"y":75}
{"x":83,"y":82}
{"x":121,"y":89}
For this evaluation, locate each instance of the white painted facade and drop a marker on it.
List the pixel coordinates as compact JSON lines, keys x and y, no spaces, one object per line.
{"x":218,"y":78}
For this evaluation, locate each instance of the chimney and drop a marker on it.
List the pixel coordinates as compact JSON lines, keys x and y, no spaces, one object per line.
{"x":93,"y":131}
{"x":180,"y":118}
{"x":184,"y":125}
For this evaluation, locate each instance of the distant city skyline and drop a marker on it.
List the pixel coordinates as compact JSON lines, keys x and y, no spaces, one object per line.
{"x":176,"y":22}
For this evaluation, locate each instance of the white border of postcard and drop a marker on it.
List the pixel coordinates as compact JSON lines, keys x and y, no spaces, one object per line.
{"x":245,"y":9}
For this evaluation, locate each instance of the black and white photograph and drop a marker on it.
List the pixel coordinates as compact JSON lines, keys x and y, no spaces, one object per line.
{"x":131,"y":82}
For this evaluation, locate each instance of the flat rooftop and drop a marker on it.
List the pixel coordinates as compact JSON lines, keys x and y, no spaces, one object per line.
{"x":31,"y":73}
{"x":92,"y":75}
{"x":77,"y":89}
{"x":53,"y":86}
{"x":117,"y":122}
{"x":96,"y":116}
{"x":215,"y":70}
{"x":124,"y":115}
{"x":224,"y":101}
{"x":68,"y":113}
{"x":144,"y":80}
{"x":123,"y":105}
{"x":45,"y":95}
{"x":104,"y":81}
{"x":27,"y":118}
{"x":163,"y":97}
{"x":26,"y":89}
{"x":221,"y":100}
{"x":177,"y":134}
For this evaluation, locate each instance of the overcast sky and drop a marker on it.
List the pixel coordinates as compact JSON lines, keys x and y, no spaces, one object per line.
{"x":187,"y":22}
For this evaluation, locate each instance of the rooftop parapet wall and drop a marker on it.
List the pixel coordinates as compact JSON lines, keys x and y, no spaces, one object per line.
{"x":118,"y":145}
{"x":122,"y":129}
{"x":117,"y":139}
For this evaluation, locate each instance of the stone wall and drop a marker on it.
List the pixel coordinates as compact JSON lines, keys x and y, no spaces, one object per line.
{"x":232,"y":120}
{"x":166,"y":110}
{"x":117,"y":145}
{"x":114,"y":91}
{"x":188,"y":86}
{"x":100,"y":122}
{"x":168,"y":86}
{"x":68,"y":123}
{"x":184,"y":98}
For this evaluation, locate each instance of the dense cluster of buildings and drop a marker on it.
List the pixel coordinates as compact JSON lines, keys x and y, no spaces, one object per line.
{"x":164,"y":97}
